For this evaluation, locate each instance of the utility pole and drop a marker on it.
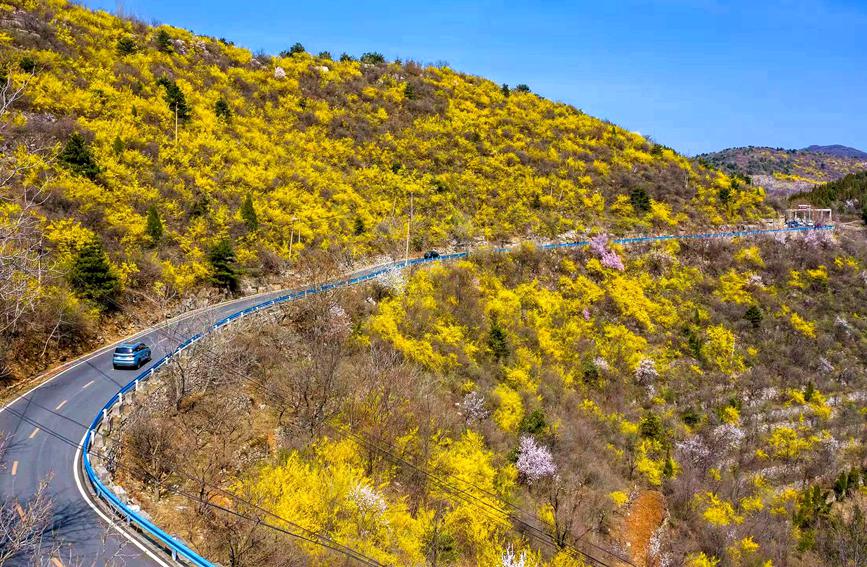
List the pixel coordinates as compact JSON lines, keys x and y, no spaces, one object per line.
{"x":409,"y":227}
{"x":291,"y":237}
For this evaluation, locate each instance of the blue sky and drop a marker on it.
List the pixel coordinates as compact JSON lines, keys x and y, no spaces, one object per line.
{"x":698,"y":75}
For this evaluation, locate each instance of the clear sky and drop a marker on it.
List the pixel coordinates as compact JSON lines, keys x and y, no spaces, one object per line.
{"x":698,"y":75}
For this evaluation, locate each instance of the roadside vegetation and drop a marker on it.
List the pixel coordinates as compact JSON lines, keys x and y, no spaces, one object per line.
{"x":520,"y":405}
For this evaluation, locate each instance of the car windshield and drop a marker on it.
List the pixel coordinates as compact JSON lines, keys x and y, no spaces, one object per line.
{"x":123,"y":350}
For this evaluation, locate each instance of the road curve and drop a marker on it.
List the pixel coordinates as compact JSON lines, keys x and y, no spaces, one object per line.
{"x":48,"y":423}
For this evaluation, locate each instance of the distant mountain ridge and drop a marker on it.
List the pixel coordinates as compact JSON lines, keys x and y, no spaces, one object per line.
{"x":837,"y":150}
{"x":787,"y":171}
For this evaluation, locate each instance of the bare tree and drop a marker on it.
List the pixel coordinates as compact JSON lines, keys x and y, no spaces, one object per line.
{"x":151,"y":446}
{"x":217,"y":433}
{"x":24,"y":526}
{"x":310,"y":389}
{"x":24,"y":261}
{"x":843,"y":536}
{"x":9,"y":93}
{"x":102,"y":558}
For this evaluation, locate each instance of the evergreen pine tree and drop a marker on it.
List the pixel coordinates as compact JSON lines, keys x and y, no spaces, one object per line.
{"x":27,"y":64}
{"x":77,"y":157}
{"x":118,"y":146}
{"x":248,"y":213}
{"x":497,"y":341}
{"x":534,"y":423}
{"x":358,"y":229}
{"x":809,"y":391}
{"x":754,"y":316}
{"x":372,"y":58}
{"x":154,"y":226}
{"x":294,"y":50}
{"x":175,"y":98}
{"x":164,"y":41}
{"x":125,"y":46}
{"x":91,"y":275}
{"x":668,"y":467}
{"x":640,"y":199}
{"x":222,"y":110}
{"x":225,"y":272}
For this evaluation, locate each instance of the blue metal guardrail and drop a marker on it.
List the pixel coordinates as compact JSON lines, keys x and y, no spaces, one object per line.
{"x":180,"y":551}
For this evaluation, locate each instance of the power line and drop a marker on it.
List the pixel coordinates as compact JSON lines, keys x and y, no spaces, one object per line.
{"x":420,"y":470}
{"x":534,"y":532}
{"x":311,"y":537}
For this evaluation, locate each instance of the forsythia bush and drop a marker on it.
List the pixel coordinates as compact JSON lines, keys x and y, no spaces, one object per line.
{"x":327,"y":154}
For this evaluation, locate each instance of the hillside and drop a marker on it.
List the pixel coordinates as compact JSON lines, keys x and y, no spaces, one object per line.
{"x":530,"y":405}
{"x":691,"y":401}
{"x":787,"y":171}
{"x":147,"y":168}
{"x":847,"y":195}
{"x":837,"y":150}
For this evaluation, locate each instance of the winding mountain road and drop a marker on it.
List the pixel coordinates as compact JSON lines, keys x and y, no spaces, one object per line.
{"x":47,"y":426}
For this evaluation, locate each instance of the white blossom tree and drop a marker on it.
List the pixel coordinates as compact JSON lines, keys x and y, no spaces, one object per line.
{"x":534,"y":461}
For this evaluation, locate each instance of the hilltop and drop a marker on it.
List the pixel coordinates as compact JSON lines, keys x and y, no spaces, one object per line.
{"x":837,"y":150}
{"x":787,"y":171}
{"x":161,"y":166}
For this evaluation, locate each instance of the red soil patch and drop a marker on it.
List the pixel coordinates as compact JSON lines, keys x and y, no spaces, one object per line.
{"x":646,"y":514}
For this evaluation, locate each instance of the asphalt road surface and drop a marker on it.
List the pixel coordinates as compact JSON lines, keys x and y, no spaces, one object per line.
{"x":47,"y":425}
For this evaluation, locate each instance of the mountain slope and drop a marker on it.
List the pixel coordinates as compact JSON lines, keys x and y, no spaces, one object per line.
{"x":847,"y":195}
{"x":786,"y":171}
{"x":837,"y":150}
{"x":499,"y":410}
{"x":476,"y":409}
{"x":194,"y":163}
